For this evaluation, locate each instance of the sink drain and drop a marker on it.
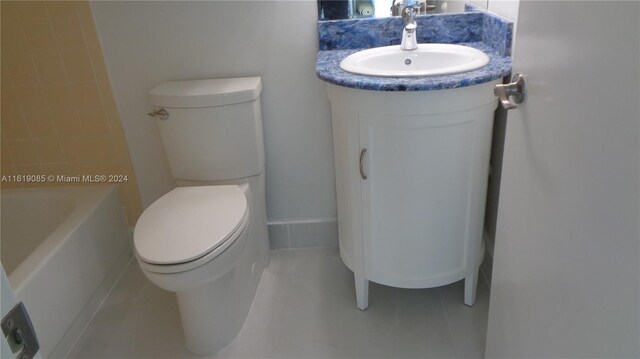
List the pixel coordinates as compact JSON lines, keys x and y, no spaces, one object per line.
{"x":407,"y":61}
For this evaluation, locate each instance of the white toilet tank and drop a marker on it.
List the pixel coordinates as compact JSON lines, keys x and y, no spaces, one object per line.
{"x":214,"y":127}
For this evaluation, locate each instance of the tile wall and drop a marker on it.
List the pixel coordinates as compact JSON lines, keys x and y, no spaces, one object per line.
{"x":58,"y":115}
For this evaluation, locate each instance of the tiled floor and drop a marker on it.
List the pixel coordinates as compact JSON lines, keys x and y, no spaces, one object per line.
{"x":304,"y":308}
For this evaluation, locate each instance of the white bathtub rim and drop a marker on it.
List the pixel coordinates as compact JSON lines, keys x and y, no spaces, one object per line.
{"x":83,"y":209}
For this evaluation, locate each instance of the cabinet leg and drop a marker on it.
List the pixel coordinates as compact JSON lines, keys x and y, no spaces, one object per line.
{"x":470,"y":288}
{"x":362,"y":291}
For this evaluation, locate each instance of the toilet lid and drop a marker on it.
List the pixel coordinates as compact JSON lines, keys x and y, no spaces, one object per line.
{"x":189,"y":222}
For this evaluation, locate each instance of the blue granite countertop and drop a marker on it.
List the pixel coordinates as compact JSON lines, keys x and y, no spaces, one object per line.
{"x":475,"y":28}
{"x":328,"y":69}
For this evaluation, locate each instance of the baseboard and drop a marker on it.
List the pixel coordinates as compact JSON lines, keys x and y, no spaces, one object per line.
{"x":312,"y":233}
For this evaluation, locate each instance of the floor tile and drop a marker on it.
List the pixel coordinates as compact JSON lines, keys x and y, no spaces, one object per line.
{"x":304,"y":308}
{"x":468,"y":325}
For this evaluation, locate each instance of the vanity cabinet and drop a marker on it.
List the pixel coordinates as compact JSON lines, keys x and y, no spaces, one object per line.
{"x":411,"y":177}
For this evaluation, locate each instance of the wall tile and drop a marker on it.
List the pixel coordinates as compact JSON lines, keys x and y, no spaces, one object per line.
{"x":83,"y":11}
{"x":78,"y":64}
{"x":10,"y":103}
{"x":67,"y":123}
{"x":104,"y":87}
{"x":33,"y":12}
{"x":133,"y":201}
{"x":89,"y":168}
{"x":14,"y":127}
{"x":56,"y":169}
{"x":111,"y":167}
{"x":122,"y":151}
{"x":97,"y":58}
{"x":22,"y":152}
{"x":113,"y":120}
{"x":13,"y":43}
{"x":86,"y":95}
{"x":12,"y":37}
{"x":40,"y":124}
{"x":102,"y":148}
{"x":22,"y":70}
{"x":58,"y":96}
{"x":7,"y":171}
{"x":50,"y":68}
{"x":76,"y":149}
{"x":5,"y":159}
{"x":40,"y":38}
{"x":61,"y":10}
{"x":58,"y":112}
{"x":31,"y":98}
{"x":69,"y":32}
{"x":5,"y":74}
{"x":35,"y":169}
{"x":94,"y":122}
{"x":49,"y":150}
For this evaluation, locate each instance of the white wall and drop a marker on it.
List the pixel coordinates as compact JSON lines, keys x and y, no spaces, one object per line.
{"x":146,"y":43}
{"x":504,"y":8}
{"x":507,"y":9}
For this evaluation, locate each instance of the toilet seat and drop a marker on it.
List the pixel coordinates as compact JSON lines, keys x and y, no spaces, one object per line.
{"x":189,"y":226}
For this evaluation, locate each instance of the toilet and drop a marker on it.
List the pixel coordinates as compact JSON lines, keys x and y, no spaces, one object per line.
{"x":207,"y":239}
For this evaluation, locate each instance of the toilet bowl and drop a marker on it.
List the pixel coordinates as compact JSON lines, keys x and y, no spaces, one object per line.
{"x":191,"y":235}
{"x":189,"y":242}
{"x":207,"y":239}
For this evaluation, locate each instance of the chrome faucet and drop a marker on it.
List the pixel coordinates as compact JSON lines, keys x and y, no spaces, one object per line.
{"x":409,"y":41}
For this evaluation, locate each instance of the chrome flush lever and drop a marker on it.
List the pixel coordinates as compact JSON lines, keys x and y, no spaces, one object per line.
{"x":161,"y":114}
{"x":516,"y":89}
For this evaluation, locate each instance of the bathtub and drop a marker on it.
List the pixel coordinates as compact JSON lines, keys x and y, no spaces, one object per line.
{"x":63,"y":249}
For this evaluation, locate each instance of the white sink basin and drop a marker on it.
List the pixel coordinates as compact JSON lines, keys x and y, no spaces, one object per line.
{"x":427,"y":59}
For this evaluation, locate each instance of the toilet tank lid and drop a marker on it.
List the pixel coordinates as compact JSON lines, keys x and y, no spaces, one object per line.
{"x":205,"y":93}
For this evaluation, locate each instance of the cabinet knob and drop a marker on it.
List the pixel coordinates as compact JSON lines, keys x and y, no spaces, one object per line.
{"x":364,"y":150}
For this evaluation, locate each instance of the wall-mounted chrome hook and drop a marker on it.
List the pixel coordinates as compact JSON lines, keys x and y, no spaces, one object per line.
{"x":515,"y":89}
{"x":161,"y":114}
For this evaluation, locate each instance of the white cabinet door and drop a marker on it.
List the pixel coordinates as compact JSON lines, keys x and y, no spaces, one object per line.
{"x":418,"y":225}
{"x":566,"y":277}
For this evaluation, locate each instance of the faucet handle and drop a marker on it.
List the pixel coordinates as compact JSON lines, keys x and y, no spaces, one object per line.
{"x":409,"y":13}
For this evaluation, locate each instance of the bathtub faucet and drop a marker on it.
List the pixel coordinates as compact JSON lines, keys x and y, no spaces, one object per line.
{"x":409,"y":41}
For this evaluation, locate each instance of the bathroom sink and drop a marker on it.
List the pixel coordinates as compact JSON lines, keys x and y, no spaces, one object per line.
{"x":426,"y":60}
